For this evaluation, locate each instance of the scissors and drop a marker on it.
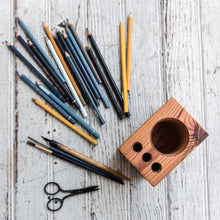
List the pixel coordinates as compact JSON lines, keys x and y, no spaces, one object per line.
{"x":52,"y":188}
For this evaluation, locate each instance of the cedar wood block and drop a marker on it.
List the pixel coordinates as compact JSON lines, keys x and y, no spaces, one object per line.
{"x":172,"y":109}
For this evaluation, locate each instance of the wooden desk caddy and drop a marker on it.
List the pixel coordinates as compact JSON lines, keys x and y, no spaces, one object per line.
{"x":163,"y":141}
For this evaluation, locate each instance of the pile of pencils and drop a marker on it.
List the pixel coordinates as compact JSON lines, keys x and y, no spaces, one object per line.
{"x":73,"y":78}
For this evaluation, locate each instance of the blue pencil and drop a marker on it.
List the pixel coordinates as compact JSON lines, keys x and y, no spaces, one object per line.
{"x":32,"y":68}
{"x":73,"y":67}
{"x":68,"y":110}
{"x":33,"y":39}
{"x":87,"y":67}
{"x":48,"y":99}
{"x":68,"y":46}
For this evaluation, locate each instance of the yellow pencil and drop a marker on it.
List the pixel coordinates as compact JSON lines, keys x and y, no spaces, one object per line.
{"x":129,"y":43}
{"x":123,"y":69}
{"x":62,"y":119}
{"x":50,"y":36}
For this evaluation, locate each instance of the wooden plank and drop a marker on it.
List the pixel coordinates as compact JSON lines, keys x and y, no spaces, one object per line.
{"x":146,"y":98}
{"x":33,"y":166}
{"x":108,"y":203}
{"x":211,"y":58}
{"x":7,"y":116}
{"x":183,"y":80}
{"x":105,"y":28}
{"x":68,"y":175}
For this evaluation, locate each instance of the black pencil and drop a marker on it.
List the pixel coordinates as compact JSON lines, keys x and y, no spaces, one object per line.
{"x":105,"y":67}
{"x":73,"y":67}
{"x":75,"y":57}
{"x":71,"y":99}
{"x":35,"y":71}
{"x":79,"y":42}
{"x":63,"y":54}
{"x":67,"y":157}
{"x":104,"y":81}
{"x":29,"y":50}
{"x":66,"y":48}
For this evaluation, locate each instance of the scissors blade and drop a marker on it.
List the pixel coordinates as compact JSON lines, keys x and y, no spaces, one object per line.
{"x":86,"y":189}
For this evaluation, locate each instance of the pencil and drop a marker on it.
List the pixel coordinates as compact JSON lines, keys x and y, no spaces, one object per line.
{"x":75,"y":56}
{"x":84,"y":158}
{"x":67,"y":157}
{"x":123,"y":69}
{"x":62,"y":119}
{"x":104,"y":81}
{"x":50,"y":36}
{"x":59,"y":93}
{"x":72,"y":65}
{"x":129,"y":45}
{"x":33,"y":69}
{"x":85,"y":77}
{"x":45,"y":97}
{"x":85,"y":96}
{"x":79,"y":42}
{"x":87,"y":67}
{"x":32,"y":38}
{"x":69,"y":96}
{"x":105,"y":67}
{"x":68,"y":110}
{"x":62,"y":70}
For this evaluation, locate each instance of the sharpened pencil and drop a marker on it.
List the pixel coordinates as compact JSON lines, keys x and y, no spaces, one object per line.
{"x":64,"y":73}
{"x":33,"y":69}
{"x":80,"y":44}
{"x":62,"y":86}
{"x":104,"y":82}
{"x":123,"y":69}
{"x":85,"y":78}
{"x":62,"y":49}
{"x":66,"y":122}
{"x":33,"y":39}
{"x":59,"y":93}
{"x":50,"y":36}
{"x":72,"y":65}
{"x":75,"y":56}
{"x":87,"y":67}
{"x":45,"y":96}
{"x":105,"y":67}
{"x":69,"y":111}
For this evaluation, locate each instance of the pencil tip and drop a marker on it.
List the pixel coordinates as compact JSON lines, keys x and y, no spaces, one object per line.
{"x":18,"y":19}
{"x":121,"y":22}
{"x":88,"y":32}
{"x":37,"y":83}
{"x":7,"y":43}
{"x":16,"y":34}
{"x":64,"y":34}
{"x":62,"y":24}
{"x":130,"y":13}
{"x":29,"y":42}
{"x":46,"y":139}
{"x":33,"y":99}
{"x":19,"y":74}
{"x":67,"y":55}
{"x":44,"y":25}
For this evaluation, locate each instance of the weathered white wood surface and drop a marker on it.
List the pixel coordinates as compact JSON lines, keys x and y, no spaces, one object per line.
{"x":175,"y":53}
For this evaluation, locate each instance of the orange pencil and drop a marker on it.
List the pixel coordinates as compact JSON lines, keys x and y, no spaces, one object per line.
{"x":129,"y":43}
{"x":50,"y":36}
